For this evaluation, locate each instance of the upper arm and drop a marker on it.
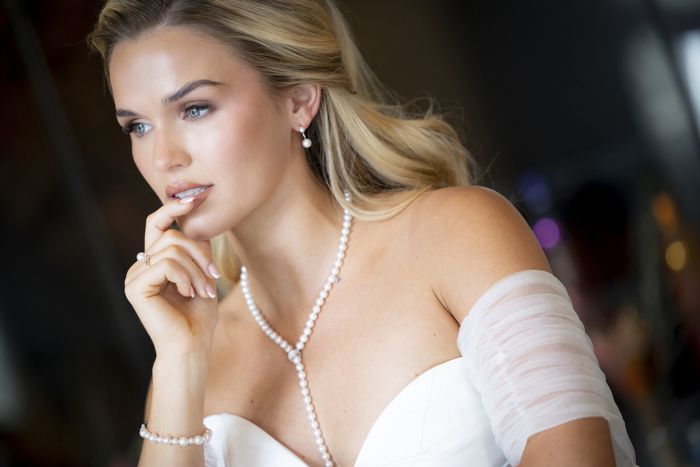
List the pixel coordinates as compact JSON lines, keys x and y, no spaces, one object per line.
{"x":474,"y":237}
{"x":478,"y":238}
{"x":585,"y":442}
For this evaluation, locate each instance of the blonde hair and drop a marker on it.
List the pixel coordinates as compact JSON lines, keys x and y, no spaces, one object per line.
{"x":362,"y":143}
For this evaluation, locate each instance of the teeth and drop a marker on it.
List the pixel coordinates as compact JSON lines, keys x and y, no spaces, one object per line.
{"x":192,"y":192}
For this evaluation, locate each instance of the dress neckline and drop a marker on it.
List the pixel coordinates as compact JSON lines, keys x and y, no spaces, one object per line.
{"x":398,"y":396}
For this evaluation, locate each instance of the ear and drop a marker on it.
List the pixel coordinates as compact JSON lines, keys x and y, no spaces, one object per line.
{"x":306,"y":98}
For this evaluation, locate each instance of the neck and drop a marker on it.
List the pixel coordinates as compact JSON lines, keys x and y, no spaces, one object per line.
{"x":289,"y":247}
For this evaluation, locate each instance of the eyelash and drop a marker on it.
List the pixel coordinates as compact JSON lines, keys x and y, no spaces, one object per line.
{"x":128,"y":129}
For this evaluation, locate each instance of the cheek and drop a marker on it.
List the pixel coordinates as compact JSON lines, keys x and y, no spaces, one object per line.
{"x":245,"y":142}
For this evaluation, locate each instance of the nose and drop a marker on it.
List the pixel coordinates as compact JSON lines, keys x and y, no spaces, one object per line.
{"x":168,"y":152}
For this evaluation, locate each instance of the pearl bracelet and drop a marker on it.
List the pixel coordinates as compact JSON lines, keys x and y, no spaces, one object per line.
{"x":182,"y":441}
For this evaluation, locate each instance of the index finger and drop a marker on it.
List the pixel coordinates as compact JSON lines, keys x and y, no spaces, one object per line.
{"x":160,"y":221}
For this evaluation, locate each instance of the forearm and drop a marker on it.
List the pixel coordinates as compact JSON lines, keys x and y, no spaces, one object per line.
{"x":176,"y":410}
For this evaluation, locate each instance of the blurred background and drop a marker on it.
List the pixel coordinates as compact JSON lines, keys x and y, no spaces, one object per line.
{"x":585,"y":113}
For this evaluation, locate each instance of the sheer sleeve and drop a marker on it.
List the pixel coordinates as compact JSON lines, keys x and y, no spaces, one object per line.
{"x":528,"y":355}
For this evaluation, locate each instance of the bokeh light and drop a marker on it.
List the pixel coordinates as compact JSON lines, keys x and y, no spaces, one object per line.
{"x":534,"y":191}
{"x":676,"y":255}
{"x":547,"y":232}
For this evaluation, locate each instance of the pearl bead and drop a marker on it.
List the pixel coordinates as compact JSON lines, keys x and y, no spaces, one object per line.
{"x":297,"y":359}
{"x":278,"y":339}
{"x":325,"y":456}
{"x":338,"y":263}
{"x":307,"y":331}
{"x":303,"y":383}
{"x":166,"y":440}
{"x":317,"y":432}
{"x":347,"y":217}
{"x":190,"y":440}
{"x":307,"y":399}
{"x":183,"y":441}
{"x":314,"y":424}
{"x":269,"y":331}
{"x":152,"y":437}
{"x":331,"y":279}
{"x":310,"y":323}
{"x":335,"y":271}
{"x":319,"y":440}
{"x":250,"y":302}
{"x":301,"y":374}
{"x":300,"y":346}
{"x":342,"y":247}
{"x":345,"y":231}
{"x":344,"y":239}
{"x":346,"y":225}
{"x":300,"y":366}
{"x":328,"y":286}
{"x":304,"y":338}
{"x":313,"y":316}
{"x":340,"y":255}
{"x":319,"y":301}
{"x":312,"y":416}
{"x":309,"y":408}
{"x":322,"y":448}
{"x":273,"y":335}
{"x":198,"y":440}
{"x":305,"y":391}
{"x":316,"y":309}
{"x":328,"y":464}
{"x":323,"y":294}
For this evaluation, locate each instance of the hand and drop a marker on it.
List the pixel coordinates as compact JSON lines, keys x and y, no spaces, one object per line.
{"x":175,"y":297}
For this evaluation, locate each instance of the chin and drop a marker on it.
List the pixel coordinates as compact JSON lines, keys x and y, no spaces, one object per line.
{"x":199,"y":230}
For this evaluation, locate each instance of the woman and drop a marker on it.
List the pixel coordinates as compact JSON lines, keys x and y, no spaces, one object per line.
{"x":260,"y":128}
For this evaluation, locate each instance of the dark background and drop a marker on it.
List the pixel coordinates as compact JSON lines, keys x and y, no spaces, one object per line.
{"x":583,"y":112}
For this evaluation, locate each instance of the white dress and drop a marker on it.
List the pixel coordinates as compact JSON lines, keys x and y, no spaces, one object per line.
{"x":526,"y":366}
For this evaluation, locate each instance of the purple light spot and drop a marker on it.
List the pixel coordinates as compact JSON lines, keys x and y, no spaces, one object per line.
{"x":547,"y":232}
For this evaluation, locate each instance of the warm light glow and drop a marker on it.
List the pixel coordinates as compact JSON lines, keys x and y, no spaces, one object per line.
{"x":665,"y":214}
{"x":547,"y":232}
{"x":676,"y":255}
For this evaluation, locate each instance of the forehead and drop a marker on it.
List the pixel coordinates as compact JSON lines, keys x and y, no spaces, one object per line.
{"x":163,"y":60}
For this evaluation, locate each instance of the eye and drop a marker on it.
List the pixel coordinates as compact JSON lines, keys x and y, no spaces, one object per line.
{"x":138,"y":128}
{"x":141,"y":128}
{"x":197,"y":111}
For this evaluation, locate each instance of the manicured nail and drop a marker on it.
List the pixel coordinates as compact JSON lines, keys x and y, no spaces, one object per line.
{"x":210,"y":291}
{"x":191,"y":291}
{"x":187,"y":200}
{"x":214,"y":270}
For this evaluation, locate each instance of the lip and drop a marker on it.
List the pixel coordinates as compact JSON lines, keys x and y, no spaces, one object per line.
{"x":172,"y":190}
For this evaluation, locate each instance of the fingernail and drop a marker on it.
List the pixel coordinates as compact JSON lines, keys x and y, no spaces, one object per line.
{"x":210,"y":291}
{"x":191,"y":291}
{"x":187,"y":200}
{"x":214,"y":270}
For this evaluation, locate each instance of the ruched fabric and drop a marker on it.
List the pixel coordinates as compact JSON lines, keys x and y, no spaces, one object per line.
{"x":528,"y":356}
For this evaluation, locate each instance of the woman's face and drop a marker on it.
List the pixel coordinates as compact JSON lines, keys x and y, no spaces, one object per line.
{"x":200,"y":118}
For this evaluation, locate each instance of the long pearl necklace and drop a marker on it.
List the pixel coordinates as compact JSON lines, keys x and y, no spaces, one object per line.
{"x":294,"y":353}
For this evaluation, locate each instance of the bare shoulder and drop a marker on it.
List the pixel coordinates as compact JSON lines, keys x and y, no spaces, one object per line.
{"x":469,"y":239}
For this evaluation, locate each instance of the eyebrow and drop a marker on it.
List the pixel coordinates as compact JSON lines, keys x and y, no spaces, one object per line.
{"x":177,"y":95}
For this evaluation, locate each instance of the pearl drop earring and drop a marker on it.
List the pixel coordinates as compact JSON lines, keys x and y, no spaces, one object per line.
{"x":306,"y":142}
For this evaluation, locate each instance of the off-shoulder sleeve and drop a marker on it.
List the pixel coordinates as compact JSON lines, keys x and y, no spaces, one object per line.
{"x":529,"y":357}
